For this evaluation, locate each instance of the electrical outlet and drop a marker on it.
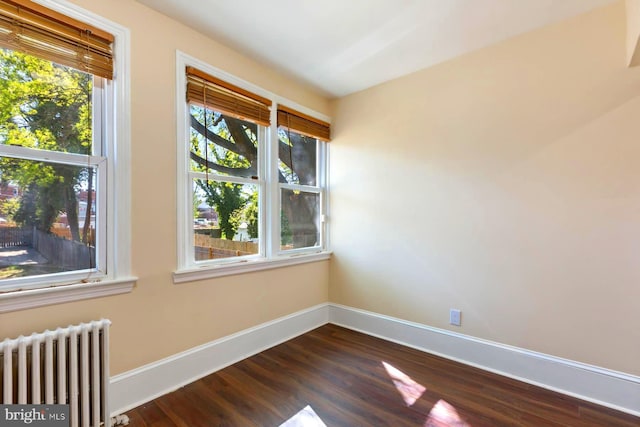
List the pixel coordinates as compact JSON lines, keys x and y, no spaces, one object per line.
{"x":455,"y":317}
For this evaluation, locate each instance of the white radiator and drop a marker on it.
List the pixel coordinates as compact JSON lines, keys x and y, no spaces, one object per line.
{"x":66,"y":366}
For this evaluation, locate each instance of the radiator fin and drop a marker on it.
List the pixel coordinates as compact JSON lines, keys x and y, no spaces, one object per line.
{"x":66,"y":366}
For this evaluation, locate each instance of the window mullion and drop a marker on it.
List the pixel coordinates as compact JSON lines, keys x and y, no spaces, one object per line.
{"x":272,"y":211}
{"x":323,"y":182}
{"x":222,"y":178}
{"x":27,"y":153}
{"x":300,"y":187}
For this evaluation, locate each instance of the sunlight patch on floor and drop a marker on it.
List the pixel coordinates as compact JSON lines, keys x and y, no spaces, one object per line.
{"x":307,"y":417}
{"x":444,"y":415}
{"x":406,"y":386}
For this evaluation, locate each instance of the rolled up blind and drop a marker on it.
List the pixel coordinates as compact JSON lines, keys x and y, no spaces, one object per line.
{"x":303,"y":124}
{"x":204,"y":89}
{"x":30,"y":28}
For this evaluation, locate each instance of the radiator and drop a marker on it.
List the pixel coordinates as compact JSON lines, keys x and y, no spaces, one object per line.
{"x":66,"y":366}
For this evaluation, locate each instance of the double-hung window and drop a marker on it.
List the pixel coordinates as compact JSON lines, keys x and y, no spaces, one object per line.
{"x":301,"y":180}
{"x":58,"y":110}
{"x":252,"y":176}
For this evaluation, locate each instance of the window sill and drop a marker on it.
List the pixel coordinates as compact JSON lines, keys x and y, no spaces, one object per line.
{"x":31,"y":298}
{"x":208,"y":271}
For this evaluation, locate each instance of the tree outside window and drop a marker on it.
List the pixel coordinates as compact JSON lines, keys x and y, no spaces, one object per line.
{"x":255,"y":187}
{"x":46,"y":108}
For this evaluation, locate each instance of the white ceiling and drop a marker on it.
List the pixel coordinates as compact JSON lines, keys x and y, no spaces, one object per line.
{"x":343,"y":46}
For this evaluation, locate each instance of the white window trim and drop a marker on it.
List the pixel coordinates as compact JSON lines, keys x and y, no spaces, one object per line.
{"x":118,"y":227}
{"x":246,"y":266}
{"x":187,"y":270}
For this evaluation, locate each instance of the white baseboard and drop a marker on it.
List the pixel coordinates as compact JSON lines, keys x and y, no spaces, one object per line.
{"x":140,"y":385}
{"x":609,"y":388}
{"x":605,"y":387}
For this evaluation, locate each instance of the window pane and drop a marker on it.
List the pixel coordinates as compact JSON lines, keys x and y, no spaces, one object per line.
{"x":225,"y":219}
{"x":227,"y":145}
{"x":44,"y":105}
{"x":299,"y":219}
{"x":297,"y":158}
{"x":47,"y":218}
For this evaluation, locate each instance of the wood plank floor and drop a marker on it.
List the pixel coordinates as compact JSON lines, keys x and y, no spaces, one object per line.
{"x":352,"y":379}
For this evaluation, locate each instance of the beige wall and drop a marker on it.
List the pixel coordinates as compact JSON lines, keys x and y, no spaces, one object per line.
{"x":633,"y":32}
{"x":516,"y":198}
{"x":159,"y":318}
{"x":505,"y":183}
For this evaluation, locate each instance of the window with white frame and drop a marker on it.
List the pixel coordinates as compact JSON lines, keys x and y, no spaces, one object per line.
{"x":300,"y":180}
{"x":58,"y":150}
{"x":252,"y":184}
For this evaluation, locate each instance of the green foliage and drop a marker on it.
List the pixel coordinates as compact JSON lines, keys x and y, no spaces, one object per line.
{"x":251,"y":214}
{"x":227,"y":198}
{"x":232,"y":158}
{"x":195,"y":203}
{"x":9,"y":207}
{"x":286,"y":235}
{"x":39,"y":207}
{"x":47,"y":107}
{"x":247,"y":214}
{"x":223,"y":146}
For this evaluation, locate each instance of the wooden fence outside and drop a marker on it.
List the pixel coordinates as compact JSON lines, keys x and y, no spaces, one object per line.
{"x":15,"y":236}
{"x":64,"y":253}
{"x":212,"y":248}
{"x":65,"y":233}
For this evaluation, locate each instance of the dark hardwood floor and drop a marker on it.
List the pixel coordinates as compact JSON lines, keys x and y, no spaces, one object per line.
{"x":352,"y":379}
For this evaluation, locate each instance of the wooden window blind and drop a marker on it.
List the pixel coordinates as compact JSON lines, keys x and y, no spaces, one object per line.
{"x":30,"y":28}
{"x":303,"y":124}
{"x":209,"y":91}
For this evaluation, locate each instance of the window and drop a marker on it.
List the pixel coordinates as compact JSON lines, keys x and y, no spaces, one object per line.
{"x":299,"y":178}
{"x":252,"y":177}
{"x":58,"y":150}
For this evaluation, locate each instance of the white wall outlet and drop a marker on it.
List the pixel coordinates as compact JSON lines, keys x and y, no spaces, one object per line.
{"x":455,"y":317}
